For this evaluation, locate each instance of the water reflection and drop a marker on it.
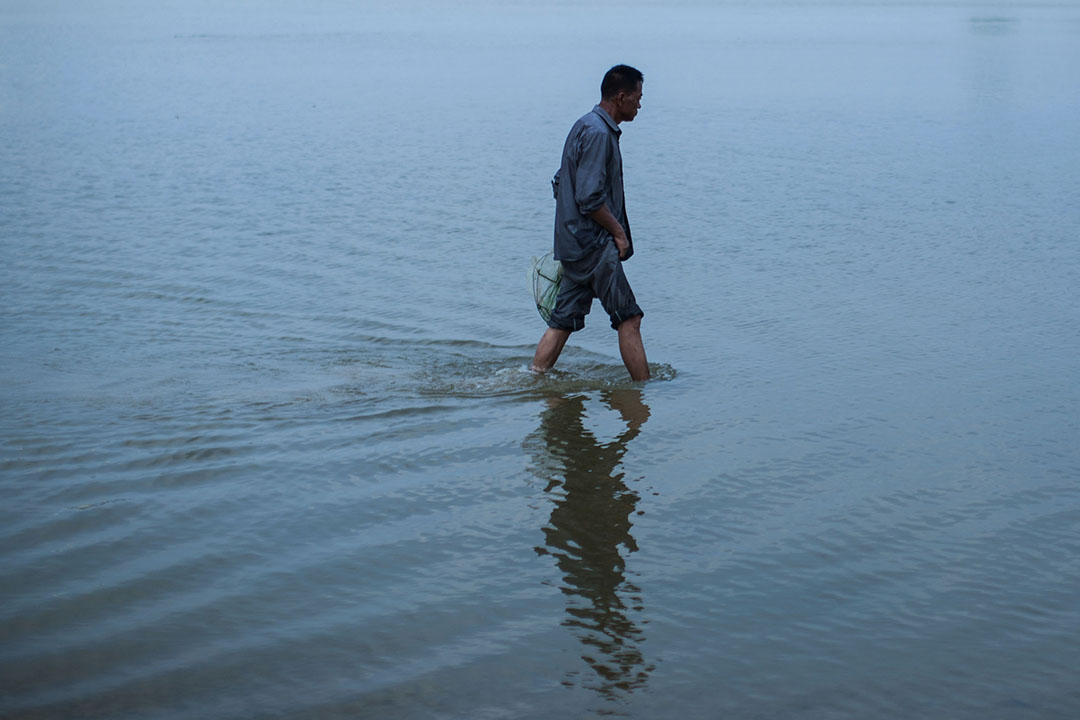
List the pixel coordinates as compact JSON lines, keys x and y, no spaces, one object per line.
{"x":589,"y":534}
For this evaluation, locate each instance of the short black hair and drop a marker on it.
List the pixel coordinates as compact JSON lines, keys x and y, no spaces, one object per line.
{"x":621,"y":78}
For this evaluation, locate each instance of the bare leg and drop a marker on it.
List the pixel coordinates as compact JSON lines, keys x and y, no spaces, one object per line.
{"x":632,"y":349}
{"x":548,"y":349}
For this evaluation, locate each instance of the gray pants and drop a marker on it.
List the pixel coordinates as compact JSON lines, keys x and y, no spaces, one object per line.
{"x":597,"y":275}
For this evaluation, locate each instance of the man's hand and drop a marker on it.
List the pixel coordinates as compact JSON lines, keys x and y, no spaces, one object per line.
{"x":607,"y":221}
{"x":621,"y":244}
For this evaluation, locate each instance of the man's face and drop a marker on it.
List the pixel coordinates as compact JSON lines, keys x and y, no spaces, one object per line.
{"x":627,"y":105}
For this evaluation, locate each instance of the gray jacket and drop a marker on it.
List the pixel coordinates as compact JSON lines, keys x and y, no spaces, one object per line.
{"x":590,"y":176}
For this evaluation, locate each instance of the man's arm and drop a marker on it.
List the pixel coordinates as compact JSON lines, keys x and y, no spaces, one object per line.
{"x":590,"y":181}
{"x":607,"y":221}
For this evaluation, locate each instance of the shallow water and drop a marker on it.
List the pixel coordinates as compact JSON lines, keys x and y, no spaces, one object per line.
{"x":269,"y":446}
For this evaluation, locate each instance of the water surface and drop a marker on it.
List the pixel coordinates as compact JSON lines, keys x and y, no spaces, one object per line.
{"x":269,"y":446}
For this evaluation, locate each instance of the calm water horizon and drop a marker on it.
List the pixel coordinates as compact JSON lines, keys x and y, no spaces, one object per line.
{"x":270,"y":447}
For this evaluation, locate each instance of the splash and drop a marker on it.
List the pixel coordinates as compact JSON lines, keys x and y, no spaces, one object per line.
{"x":506,"y":372}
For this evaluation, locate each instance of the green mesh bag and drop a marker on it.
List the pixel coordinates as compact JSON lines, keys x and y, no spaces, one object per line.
{"x":545,"y":277}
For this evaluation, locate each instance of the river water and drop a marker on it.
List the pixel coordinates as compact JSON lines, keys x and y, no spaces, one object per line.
{"x":270,"y":448}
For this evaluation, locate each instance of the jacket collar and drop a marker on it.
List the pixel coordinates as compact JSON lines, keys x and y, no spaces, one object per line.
{"x":607,"y":119}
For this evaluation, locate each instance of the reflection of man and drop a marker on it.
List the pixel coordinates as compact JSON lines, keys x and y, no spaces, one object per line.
{"x":590,"y":521}
{"x":592,"y":234}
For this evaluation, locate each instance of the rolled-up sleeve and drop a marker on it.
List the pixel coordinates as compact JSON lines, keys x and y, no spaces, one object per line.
{"x":590,"y":178}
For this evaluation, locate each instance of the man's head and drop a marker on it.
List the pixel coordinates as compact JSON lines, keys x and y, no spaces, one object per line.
{"x":620,"y":92}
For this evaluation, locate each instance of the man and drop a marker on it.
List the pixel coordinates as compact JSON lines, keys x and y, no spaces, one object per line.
{"x":592,"y":234}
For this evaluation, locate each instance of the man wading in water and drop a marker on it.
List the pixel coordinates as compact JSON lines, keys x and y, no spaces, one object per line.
{"x":592,"y":235}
